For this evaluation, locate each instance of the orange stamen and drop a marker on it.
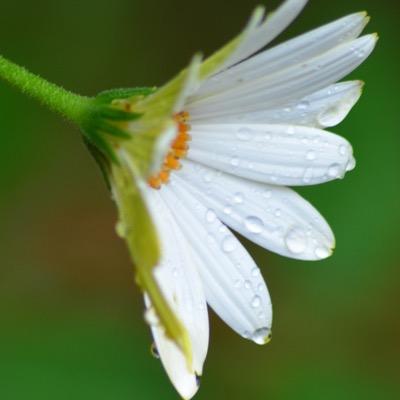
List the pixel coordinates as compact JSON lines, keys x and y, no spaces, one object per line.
{"x":179,"y":149}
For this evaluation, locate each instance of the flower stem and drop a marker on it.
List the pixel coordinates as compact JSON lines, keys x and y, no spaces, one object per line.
{"x":71,"y":106}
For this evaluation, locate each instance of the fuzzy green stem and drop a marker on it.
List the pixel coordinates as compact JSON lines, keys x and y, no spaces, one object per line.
{"x":71,"y":106}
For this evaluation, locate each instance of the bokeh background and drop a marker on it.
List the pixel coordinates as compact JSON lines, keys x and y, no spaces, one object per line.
{"x":71,"y":318}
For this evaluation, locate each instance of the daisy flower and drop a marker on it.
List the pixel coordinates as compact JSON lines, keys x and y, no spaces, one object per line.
{"x":241,"y":127}
{"x":214,"y":151}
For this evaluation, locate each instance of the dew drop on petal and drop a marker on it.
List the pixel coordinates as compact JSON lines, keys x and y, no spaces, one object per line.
{"x":234,"y":161}
{"x":198,"y":380}
{"x":254,"y":225}
{"x":238,"y":198}
{"x":244,"y":133}
{"x":303,"y":105}
{"x":228,"y":244}
{"x":247,"y":284}
{"x":246,"y":334}
{"x":334,"y":170}
{"x":290,"y":130}
{"x":322,"y":252}
{"x":351,"y":164}
{"x":308,"y":175}
{"x":208,"y":177}
{"x":261,"y":336}
{"x":227,"y":210}
{"x":343,"y":150}
{"x":311,"y":155}
{"x":256,"y":301}
{"x":255,"y":272}
{"x":267,"y":194}
{"x":296,"y":241}
{"x":210,"y":216}
{"x":154,"y":351}
{"x":151,"y":317}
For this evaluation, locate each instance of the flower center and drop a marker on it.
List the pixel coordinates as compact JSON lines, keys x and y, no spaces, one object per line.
{"x":179,"y":149}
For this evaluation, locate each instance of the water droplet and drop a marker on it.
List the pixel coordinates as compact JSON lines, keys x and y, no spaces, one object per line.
{"x":254,"y":225}
{"x":154,"y":351}
{"x":198,"y":380}
{"x":210,"y":216}
{"x":296,"y":241}
{"x":311,"y":155}
{"x":238,"y":198}
{"x":261,"y":336}
{"x":151,"y":317}
{"x":308,"y":175}
{"x":334,"y":170}
{"x":228,"y":244}
{"x":343,"y":150}
{"x":351,"y":164}
{"x":278,"y":212}
{"x":227,"y":210}
{"x":267,"y":194}
{"x":246,"y":334}
{"x":255,"y":272}
{"x":290,"y":130}
{"x":260,"y":287}
{"x":247,"y":284}
{"x":223,"y":229}
{"x":256,"y":301}
{"x":208,"y":176}
{"x":322,"y":252}
{"x":234,"y":161}
{"x":331,"y":116}
{"x":303,"y":105}
{"x":244,"y":133}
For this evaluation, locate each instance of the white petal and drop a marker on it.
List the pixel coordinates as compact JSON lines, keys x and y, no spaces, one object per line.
{"x":261,"y":35}
{"x":184,"y":381}
{"x":325,"y":108}
{"x":292,"y":83}
{"x":274,"y":217}
{"x":292,"y":52}
{"x":181,"y":285}
{"x":278,"y":154}
{"x":232,"y":282}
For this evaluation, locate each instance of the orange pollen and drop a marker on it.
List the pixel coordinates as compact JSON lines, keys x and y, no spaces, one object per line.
{"x":178,"y":150}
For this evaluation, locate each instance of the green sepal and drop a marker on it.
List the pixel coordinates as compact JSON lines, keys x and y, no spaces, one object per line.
{"x":118,"y":115}
{"x":101,"y":160}
{"x":113,"y":130}
{"x":97,"y":140}
{"x":108,"y":96}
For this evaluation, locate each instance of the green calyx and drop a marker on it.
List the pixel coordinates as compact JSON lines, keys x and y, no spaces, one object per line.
{"x":107,"y":116}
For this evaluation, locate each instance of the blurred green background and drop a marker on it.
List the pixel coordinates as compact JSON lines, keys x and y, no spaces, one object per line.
{"x":71,"y":324}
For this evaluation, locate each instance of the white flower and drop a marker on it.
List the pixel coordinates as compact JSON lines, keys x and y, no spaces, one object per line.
{"x":245,"y":126}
